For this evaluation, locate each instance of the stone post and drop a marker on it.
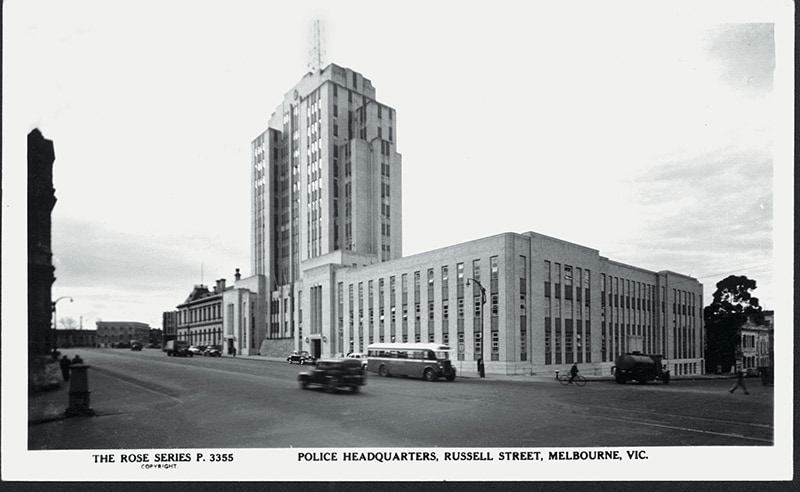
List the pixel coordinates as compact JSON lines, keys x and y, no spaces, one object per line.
{"x":79,"y":391}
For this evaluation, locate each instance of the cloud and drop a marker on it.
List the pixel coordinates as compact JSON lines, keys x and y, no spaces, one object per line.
{"x":705,"y":215}
{"x":745,"y":54}
{"x":89,"y":254}
{"x":119,"y":275}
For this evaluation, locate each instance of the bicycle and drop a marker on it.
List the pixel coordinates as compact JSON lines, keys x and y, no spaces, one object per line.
{"x":578,"y":379}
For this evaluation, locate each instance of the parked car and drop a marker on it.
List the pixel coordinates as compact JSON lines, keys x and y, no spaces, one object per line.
{"x":213,"y":351}
{"x":178,"y":348}
{"x":334,"y":374}
{"x":301,"y":357}
{"x":195,"y":350}
{"x":136,"y":345}
{"x":360,"y":356}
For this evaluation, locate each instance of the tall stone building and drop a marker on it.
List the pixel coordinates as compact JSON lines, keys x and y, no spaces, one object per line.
{"x":325,"y":180}
{"x":41,"y":273}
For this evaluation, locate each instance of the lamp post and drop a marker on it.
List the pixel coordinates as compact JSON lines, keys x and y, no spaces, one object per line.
{"x":55,"y":319}
{"x":481,"y":369}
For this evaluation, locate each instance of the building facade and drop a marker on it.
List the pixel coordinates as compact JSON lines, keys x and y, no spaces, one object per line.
{"x":232,"y":317}
{"x":548,"y":303}
{"x":325,"y":178}
{"x":245,"y":312}
{"x":755,"y":344}
{"x":115,"y":333}
{"x":76,"y":338}
{"x":169,"y":324}
{"x":199,"y":317}
{"x":326,"y":236}
{"x":41,"y":273}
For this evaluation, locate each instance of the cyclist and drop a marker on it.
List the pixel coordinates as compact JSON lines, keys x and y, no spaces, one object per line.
{"x":573,"y":372}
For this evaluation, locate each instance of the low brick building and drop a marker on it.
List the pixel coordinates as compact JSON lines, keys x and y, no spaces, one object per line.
{"x":114,"y":333}
{"x":76,"y":338}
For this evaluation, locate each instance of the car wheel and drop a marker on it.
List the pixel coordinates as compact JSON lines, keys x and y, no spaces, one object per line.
{"x":451,"y":377}
{"x":304,"y":384}
{"x":332,"y":385}
{"x":355,"y":388}
{"x":428,"y":375}
{"x":383,"y":371}
{"x":302,"y":362}
{"x":289,"y":361}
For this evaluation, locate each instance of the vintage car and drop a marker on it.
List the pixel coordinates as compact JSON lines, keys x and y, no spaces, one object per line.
{"x":213,"y":351}
{"x":301,"y":357}
{"x":360,"y":356}
{"x":334,"y":374}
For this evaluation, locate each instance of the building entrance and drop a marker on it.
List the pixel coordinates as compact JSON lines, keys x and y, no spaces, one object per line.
{"x":316,"y":347}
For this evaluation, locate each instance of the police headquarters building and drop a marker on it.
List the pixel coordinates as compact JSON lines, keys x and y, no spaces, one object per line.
{"x":326,"y":242}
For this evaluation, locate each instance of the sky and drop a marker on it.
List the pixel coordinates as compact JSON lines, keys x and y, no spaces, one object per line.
{"x":654,"y":133}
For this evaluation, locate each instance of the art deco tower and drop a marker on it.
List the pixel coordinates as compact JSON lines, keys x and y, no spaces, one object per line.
{"x":325,"y":178}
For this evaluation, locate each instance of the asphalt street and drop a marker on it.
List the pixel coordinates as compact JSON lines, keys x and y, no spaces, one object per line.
{"x":149,"y":400}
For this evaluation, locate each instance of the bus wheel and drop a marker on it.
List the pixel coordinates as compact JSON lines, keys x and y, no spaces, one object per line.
{"x":383,"y":372}
{"x":428,"y":375}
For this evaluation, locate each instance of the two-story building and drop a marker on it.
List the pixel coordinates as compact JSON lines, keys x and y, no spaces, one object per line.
{"x":114,"y":333}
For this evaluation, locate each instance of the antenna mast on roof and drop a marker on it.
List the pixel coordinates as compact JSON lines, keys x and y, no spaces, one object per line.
{"x":317,"y":53}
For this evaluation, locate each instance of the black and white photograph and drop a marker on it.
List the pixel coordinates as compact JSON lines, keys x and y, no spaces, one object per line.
{"x":397,"y":241}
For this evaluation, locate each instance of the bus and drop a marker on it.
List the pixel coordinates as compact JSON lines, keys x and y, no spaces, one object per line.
{"x":428,"y":361}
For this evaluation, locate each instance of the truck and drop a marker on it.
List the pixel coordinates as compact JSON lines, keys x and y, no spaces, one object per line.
{"x":178,"y":348}
{"x":636,"y":366}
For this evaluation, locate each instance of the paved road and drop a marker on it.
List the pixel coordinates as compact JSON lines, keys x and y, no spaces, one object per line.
{"x":148,"y":400}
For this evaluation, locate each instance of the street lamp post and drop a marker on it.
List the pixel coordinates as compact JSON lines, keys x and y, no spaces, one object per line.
{"x":481,"y":369}
{"x":55,"y":319}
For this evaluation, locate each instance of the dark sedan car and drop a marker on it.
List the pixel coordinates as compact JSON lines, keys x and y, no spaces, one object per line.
{"x":301,"y":357}
{"x":213,"y":351}
{"x":334,"y":374}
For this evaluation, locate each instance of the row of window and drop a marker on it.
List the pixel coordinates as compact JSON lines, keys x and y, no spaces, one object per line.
{"x":210,"y":312}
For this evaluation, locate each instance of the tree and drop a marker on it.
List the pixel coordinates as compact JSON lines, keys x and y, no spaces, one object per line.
{"x":732,"y":306}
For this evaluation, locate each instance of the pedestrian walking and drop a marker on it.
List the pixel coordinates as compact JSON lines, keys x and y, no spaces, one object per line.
{"x":764,"y":376}
{"x":234,"y":351}
{"x":64,"y":363}
{"x":739,"y":382}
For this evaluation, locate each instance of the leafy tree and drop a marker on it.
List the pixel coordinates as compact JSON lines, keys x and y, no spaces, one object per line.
{"x":732,"y":306}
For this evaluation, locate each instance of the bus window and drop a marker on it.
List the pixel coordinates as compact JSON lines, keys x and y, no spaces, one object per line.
{"x":430,"y":355}
{"x":442,"y":355}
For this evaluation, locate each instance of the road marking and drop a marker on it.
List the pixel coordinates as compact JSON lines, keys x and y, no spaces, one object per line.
{"x":763,"y":426}
{"x":686,"y":429}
